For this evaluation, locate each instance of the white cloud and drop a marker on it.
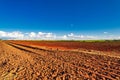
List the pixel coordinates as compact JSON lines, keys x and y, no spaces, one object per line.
{"x":11,"y":35}
{"x":65,"y":36}
{"x":79,"y":37}
{"x":119,"y":37}
{"x":32,"y":34}
{"x":71,"y":35}
{"x":105,"y":32}
{"x":50,"y":36}
{"x":2,"y":34}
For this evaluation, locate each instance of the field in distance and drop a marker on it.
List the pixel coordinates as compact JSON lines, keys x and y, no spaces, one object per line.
{"x":59,"y":60}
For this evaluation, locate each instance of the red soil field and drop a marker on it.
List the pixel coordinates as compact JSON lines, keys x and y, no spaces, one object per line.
{"x":100,"y":46}
{"x":27,"y":60}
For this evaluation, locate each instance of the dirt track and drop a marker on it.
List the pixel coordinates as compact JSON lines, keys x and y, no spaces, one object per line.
{"x":24,"y":62}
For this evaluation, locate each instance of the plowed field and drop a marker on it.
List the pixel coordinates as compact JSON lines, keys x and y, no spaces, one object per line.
{"x":20,"y":60}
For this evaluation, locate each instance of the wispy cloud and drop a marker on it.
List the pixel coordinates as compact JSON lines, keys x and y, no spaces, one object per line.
{"x":17,"y":35}
{"x":105,"y":32}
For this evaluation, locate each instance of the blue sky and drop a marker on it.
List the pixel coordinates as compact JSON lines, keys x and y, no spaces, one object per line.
{"x":61,"y":17}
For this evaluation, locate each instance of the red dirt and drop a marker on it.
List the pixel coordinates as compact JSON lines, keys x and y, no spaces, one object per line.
{"x":20,"y":60}
{"x":100,"y":46}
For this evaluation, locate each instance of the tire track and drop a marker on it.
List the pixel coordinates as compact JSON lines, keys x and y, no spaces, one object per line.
{"x":70,"y":63}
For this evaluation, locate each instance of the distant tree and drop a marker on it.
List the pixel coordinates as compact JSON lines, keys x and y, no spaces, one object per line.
{"x":107,"y":40}
{"x":116,"y":40}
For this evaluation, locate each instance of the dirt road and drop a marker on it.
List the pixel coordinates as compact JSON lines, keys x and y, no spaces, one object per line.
{"x":24,"y":62}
